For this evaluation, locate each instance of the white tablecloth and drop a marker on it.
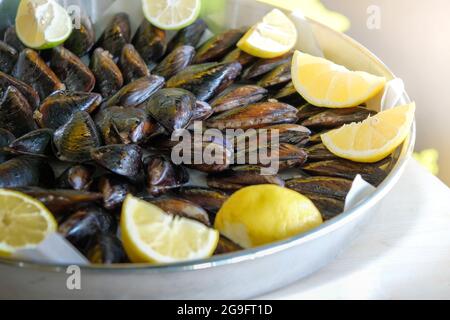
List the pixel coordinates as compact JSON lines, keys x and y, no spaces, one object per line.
{"x":404,"y":252}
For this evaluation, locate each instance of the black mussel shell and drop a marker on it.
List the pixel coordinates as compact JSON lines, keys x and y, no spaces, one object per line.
{"x":106,"y":249}
{"x":27,"y":91}
{"x":25,"y":171}
{"x":124,"y":160}
{"x":330,"y":187}
{"x":33,"y":143}
{"x":74,"y":141}
{"x":117,"y":34}
{"x":335,"y":118}
{"x":137,"y":92}
{"x":207,"y":80}
{"x":176,"y":61}
{"x":237,"y":55}
{"x":82,"y":227}
{"x":289,"y":94}
{"x":13,"y":40}
{"x":71,"y":70}
{"x":6,"y":138}
{"x":264,"y":66}
{"x":31,"y":69}
{"x":218,"y":46}
{"x":207,"y":198}
{"x":162,"y":175}
{"x":183,"y":208}
{"x":81,"y":39}
{"x":239,"y":97}
{"x":8,"y":57}
{"x":277,"y":77}
{"x":319,"y":152}
{"x":59,"y":107}
{"x":189,"y":36}
{"x":16,"y":114}
{"x":172,"y":108}
{"x":132,"y":65}
{"x":150,"y":42}
{"x":109,"y":78}
{"x":114,"y":190}
{"x":77,"y":177}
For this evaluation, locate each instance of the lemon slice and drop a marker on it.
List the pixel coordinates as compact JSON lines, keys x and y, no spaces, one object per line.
{"x":263,"y":214}
{"x":271,"y":38}
{"x":42,"y":24}
{"x":326,"y":84}
{"x":151,"y":235}
{"x":171,"y":14}
{"x":373,"y":139}
{"x":24,"y":222}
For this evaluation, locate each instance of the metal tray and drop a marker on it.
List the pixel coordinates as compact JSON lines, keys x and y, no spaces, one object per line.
{"x":239,"y":275}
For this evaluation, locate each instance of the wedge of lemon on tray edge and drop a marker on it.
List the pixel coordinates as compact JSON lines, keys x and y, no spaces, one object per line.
{"x":24,"y":222}
{"x":151,"y":235}
{"x":42,"y":24}
{"x":326,"y":84}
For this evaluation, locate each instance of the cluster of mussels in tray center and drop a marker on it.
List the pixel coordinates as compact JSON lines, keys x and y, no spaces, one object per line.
{"x":80,"y":138}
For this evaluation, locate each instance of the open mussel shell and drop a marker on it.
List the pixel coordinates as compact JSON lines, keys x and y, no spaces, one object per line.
{"x":27,"y":91}
{"x":71,"y":70}
{"x":209,"y":199}
{"x":218,"y":46}
{"x":183,"y":208}
{"x":263,"y":66}
{"x":289,"y":95}
{"x":319,"y":152}
{"x":189,"y":36}
{"x":176,"y":61}
{"x":109,"y":78}
{"x":58,"y":108}
{"x":172,"y":108}
{"x":207,"y":80}
{"x":225,"y":246}
{"x":106,"y":249}
{"x":116,"y":35}
{"x":16,"y":115}
{"x":162,"y":175}
{"x":31,"y":69}
{"x":132,"y":65}
{"x":12,"y":39}
{"x":74,"y":141}
{"x":124,"y":160}
{"x":34,"y":143}
{"x":254,"y":116}
{"x":373,"y":173}
{"x":114,"y":190}
{"x":77,"y":177}
{"x":240,"y":177}
{"x":24,"y":171}
{"x":81,"y":39}
{"x":8,"y":57}
{"x":237,"y":55}
{"x":239,"y":97}
{"x":119,"y":125}
{"x":277,"y":77}
{"x":150,"y":42}
{"x":202,"y":111}
{"x":335,"y":118}
{"x":330,"y":187}
{"x":137,"y":92}
{"x":59,"y":201}
{"x":83,"y":226}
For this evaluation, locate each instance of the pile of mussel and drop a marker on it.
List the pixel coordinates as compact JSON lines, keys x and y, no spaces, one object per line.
{"x":80,"y":138}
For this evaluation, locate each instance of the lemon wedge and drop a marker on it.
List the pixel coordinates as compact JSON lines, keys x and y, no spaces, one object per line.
{"x":171,"y":14}
{"x":271,"y":38}
{"x":24,"y":222}
{"x":263,"y":214}
{"x":326,"y":84}
{"x":373,"y":139}
{"x":42,"y":24}
{"x":151,"y":235}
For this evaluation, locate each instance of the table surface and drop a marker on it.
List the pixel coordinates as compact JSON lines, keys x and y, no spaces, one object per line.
{"x":403,"y":253}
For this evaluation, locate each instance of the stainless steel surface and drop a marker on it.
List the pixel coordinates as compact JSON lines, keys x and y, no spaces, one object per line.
{"x":240,"y":275}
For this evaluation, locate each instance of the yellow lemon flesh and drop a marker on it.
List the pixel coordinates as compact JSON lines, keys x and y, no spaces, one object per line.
{"x":374,"y":138}
{"x":263,"y":214}
{"x":151,"y":235}
{"x":171,"y":14}
{"x":24,"y":222}
{"x":326,"y":84}
{"x":271,"y":38}
{"x":42,"y":24}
